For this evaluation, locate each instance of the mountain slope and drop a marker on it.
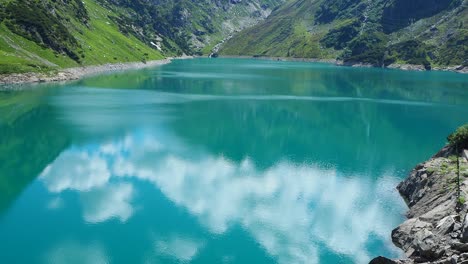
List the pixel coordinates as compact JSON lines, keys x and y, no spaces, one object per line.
{"x":43,"y":35}
{"x":40,"y":35}
{"x":378,"y":32}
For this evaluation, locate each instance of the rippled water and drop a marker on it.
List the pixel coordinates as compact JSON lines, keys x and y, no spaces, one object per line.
{"x":217,"y":161}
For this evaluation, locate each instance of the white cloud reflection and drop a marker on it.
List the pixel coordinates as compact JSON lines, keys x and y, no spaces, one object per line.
{"x":107,"y":202}
{"x":55,"y":203}
{"x":76,"y":170}
{"x":72,"y":252}
{"x":180,"y":248}
{"x":291,"y":210}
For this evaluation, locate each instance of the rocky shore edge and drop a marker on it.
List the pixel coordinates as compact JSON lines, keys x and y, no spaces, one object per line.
{"x":408,"y":67}
{"x":404,"y":67}
{"x":437,"y":227}
{"x":75,"y":73}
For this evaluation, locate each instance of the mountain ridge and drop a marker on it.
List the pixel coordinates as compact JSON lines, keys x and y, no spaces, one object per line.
{"x":379,"y":33}
{"x":45,"y":35}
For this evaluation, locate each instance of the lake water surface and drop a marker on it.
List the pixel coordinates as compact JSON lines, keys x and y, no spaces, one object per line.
{"x":217,"y":161}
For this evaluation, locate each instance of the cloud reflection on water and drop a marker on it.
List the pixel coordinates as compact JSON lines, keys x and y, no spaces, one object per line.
{"x":76,"y":170}
{"x":290,"y":209}
{"x":72,"y":252}
{"x":107,"y":202}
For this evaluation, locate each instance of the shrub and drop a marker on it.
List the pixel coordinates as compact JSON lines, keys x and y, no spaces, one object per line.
{"x":459,"y":137}
{"x":342,"y":34}
{"x":412,"y":51}
{"x":368,"y":48}
{"x":332,"y":9}
{"x":454,"y":50}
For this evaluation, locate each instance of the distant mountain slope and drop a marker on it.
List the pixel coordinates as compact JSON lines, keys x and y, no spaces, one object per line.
{"x":377,"y":32}
{"x":39,"y":35}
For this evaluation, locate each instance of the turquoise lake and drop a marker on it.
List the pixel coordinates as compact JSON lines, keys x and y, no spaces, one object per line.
{"x":218,"y":161}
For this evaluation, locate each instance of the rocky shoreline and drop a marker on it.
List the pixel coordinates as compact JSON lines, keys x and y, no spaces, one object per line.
{"x":75,"y":73}
{"x":408,"y":67}
{"x":69,"y":74}
{"x":332,"y":61}
{"x":437,"y":227}
{"x":404,"y":67}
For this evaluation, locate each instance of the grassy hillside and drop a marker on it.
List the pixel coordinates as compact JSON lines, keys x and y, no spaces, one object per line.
{"x":380,"y":32}
{"x":286,"y":33}
{"x":28,"y":42}
{"x":43,"y":35}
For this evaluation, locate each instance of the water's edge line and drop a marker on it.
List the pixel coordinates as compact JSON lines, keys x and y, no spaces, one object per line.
{"x":403,"y":67}
{"x":76,"y":73}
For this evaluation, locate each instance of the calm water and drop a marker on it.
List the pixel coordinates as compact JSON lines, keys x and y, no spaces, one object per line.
{"x":217,"y":161}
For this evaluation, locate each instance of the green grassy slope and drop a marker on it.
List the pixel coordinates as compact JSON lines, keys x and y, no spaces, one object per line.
{"x":43,"y":35}
{"x":98,"y":41}
{"x":288,"y":32}
{"x":429,"y":33}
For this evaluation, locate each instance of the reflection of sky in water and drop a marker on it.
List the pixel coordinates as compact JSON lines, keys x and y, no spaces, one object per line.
{"x":234,"y":168}
{"x":292,"y":210}
{"x":71,"y":252}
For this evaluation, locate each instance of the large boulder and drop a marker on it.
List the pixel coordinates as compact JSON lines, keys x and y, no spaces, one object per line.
{"x":445,"y":225}
{"x":427,"y":245}
{"x":419,"y":239}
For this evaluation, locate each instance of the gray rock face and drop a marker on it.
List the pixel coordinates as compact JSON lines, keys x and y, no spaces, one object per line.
{"x":404,"y":235}
{"x":464,"y":232}
{"x":383,"y":260}
{"x":427,"y":244}
{"x":446,"y":225}
{"x":436,"y":230}
{"x":462,"y":247}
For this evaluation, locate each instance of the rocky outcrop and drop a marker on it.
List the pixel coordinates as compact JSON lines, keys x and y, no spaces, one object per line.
{"x":437,"y":227}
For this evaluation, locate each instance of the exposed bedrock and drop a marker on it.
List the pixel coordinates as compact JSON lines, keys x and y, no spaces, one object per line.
{"x":437,"y":228}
